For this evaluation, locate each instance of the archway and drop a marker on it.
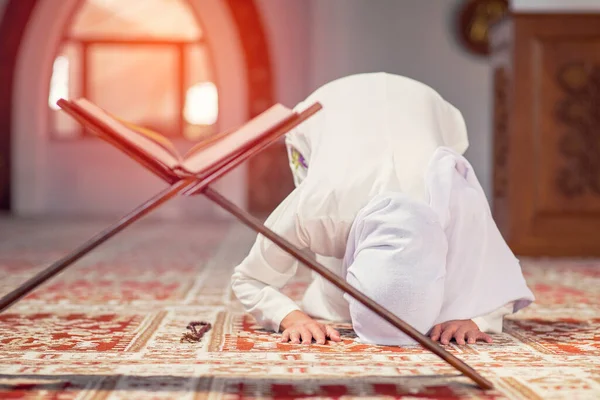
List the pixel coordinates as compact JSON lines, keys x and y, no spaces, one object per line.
{"x":243,"y":76}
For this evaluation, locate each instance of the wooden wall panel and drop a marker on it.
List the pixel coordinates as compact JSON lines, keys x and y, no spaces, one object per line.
{"x":568,"y":130}
{"x":501,"y":100}
{"x":547,"y":133}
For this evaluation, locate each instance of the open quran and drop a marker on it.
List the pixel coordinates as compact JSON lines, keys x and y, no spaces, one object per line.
{"x":157,"y":147}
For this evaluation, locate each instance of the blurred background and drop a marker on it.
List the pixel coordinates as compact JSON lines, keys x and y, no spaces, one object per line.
{"x":191,"y":68}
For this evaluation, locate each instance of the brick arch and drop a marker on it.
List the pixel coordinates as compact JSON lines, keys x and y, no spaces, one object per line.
{"x":258,"y":69}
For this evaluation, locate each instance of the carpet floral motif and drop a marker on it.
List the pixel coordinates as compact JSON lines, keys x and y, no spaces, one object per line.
{"x":110,"y":328}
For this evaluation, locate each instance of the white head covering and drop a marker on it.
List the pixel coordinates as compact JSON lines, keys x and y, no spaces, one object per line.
{"x":373,"y":118}
{"x":387,"y":135}
{"x":376,"y":133}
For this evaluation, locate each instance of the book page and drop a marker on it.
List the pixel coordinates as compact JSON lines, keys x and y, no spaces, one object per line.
{"x":206,"y":143}
{"x":161,"y":150}
{"x":236,"y":140}
{"x":150,"y":134}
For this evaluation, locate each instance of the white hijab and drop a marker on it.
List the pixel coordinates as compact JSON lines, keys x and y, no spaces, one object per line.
{"x":381,"y":133}
{"x":376,"y":133}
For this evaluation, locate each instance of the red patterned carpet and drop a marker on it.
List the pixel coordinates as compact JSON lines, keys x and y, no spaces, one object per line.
{"x":110,"y":328}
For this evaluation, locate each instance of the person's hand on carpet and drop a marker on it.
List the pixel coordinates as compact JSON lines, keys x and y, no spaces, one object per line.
{"x":299,"y":326}
{"x":460,"y":330}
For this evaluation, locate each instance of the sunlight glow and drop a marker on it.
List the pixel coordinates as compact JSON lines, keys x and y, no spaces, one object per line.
{"x":201,"y":104}
{"x":59,"y":83}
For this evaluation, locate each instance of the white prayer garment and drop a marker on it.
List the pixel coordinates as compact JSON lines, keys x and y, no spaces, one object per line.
{"x":442,"y":261}
{"x":381,"y":185}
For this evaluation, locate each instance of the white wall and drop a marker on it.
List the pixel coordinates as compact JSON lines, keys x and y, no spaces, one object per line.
{"x":555,"y":5}
{"x":415,"y":38}
{"x":287,"y":27}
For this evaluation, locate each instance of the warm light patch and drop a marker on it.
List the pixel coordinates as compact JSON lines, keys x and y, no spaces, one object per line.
{"x":136,"y":18}
{"x":201,"y":104}
{"x":59,"y":83}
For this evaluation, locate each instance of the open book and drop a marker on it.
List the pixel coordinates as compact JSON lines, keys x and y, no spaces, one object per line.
{"x":157,"y":147}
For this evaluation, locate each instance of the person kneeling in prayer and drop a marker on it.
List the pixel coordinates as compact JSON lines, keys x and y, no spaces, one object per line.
{"x":385,"y":199}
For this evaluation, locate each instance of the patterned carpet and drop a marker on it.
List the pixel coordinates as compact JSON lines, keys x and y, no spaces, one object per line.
{"x":110,"y":328}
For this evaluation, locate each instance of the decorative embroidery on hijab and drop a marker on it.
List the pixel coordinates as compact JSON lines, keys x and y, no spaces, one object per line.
{"x":298,"y":159}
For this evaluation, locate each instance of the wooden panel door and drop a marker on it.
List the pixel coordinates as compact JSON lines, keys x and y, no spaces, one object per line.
{"x":547,"y":133}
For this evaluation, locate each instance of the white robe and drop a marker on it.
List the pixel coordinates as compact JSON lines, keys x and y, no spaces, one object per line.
{"x":377,"y":134}
{"x":442,"y":261}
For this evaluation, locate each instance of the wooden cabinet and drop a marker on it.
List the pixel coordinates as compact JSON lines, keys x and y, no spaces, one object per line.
{"x":546,"y":123}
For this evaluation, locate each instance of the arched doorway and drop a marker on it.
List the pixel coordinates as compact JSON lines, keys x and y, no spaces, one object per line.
{"x":244,"y":83}
{"x":139,"y":59}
